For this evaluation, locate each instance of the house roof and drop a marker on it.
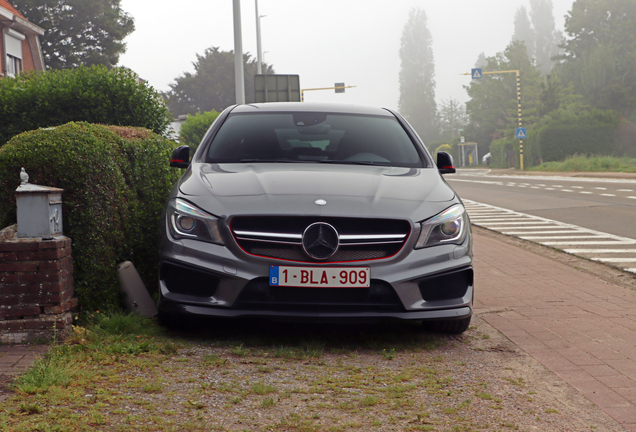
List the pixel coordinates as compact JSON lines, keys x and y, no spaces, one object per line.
{"x":18,"y":22}
{"x":5,"y":4}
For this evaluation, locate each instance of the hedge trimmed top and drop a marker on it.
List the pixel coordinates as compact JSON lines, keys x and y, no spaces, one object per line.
{"x":92,"y":94}
{"x":115,"y":180}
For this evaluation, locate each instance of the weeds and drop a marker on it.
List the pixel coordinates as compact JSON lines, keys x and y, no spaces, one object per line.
{"x":121,"y":372}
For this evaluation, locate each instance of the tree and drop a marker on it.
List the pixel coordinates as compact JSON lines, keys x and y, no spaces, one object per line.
{"x":452,"y":116}
{"x":599,"y":53}
{"x":546,"y":37}
{"x":538,"y":33}
{"x":417,"y":73}
{"x":523,"y":30}
{"x":211,"y":86}
{"x":493,"y":105}
{"x":79,"y":32}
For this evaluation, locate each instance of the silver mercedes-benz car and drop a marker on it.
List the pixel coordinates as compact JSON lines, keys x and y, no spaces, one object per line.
{"x":302,"y":211}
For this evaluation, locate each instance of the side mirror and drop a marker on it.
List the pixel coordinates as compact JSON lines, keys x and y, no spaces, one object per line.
{"x":180,"y":157}
{"x":445,"y":163}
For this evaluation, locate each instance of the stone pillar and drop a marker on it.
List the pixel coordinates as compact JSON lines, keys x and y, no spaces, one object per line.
{"x":36,"y":287}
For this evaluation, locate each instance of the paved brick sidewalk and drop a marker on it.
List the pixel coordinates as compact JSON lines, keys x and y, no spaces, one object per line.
{"x":15,"y":359}
{"x":578,"y":326}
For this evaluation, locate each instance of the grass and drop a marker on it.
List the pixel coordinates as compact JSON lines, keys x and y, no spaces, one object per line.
{"x":579,"y":163}
{"x":120,"y":372}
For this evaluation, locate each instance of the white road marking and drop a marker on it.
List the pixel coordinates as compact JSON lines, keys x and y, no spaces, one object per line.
{"x":608,"y":195}
{"x":538,"y":232}
{"x":600,"y":188}
{"x":625,"y":190}
{"x":616,"y":260}
{"x":595,"y":251}
{"x":575,"y":240}
{"x":586,"y":192}
{"x":582,"y":236}
{"x":591,"y":243}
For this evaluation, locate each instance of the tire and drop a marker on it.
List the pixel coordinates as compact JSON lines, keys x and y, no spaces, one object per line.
{"x":448,"y":326}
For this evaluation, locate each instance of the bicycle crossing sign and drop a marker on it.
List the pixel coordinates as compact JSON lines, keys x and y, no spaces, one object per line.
{"x":521,"y":133}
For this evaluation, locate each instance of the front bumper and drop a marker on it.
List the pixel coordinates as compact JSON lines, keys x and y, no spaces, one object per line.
{"x":210,"y":280}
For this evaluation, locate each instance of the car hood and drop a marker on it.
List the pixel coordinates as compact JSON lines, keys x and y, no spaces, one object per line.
{"x":349,"y":190}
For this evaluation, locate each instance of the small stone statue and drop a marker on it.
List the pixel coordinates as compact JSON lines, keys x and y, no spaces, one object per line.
{"x":24,"y":177}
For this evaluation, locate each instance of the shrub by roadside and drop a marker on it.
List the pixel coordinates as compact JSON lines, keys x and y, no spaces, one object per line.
{"x":195,"y":127}
{"x":115,"y":181}
{"x":92,"y":94}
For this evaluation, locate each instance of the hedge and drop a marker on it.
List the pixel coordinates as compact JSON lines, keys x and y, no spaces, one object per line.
{"x":115,"y":181}
{"x":589,"y":132}
{"x":92,"y":94}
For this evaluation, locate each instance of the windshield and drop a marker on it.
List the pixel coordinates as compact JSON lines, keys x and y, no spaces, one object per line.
{"x":314,"y":138}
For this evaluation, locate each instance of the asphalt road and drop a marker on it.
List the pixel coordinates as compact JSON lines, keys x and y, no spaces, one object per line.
{"x":606,"y":205}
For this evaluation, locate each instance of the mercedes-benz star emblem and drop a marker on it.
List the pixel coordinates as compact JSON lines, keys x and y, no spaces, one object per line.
{"x":320,"y":241}
{"x":320,"y":202}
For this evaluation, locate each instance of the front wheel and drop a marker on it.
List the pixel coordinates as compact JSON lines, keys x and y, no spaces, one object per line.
{"x":447,"y":326}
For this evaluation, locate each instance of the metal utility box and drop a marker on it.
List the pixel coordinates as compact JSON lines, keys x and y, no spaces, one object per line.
{"x":39,"y":211}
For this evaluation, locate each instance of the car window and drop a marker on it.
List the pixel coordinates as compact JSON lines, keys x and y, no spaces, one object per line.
{"x":313,"y":137}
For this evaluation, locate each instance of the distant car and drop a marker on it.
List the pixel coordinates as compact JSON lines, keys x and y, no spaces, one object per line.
{"x":301,"y":211}
{"x":486,"y":159}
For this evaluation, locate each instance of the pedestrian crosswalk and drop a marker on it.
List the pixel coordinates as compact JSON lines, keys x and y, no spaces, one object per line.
{"x":595,"y":245}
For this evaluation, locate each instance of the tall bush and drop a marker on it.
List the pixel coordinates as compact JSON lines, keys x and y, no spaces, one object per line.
{"x":92,"y":94}
{"x":115,"y":182}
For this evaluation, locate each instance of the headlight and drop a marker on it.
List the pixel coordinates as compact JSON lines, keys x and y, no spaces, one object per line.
{"x":449,"y":226}
{"x":188,"y":221}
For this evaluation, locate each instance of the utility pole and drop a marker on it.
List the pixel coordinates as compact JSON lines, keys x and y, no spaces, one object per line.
{"x":259,"y":52}
{"x":239,"y":73}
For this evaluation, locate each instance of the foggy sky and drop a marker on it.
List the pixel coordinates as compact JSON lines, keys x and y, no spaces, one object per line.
{"x":324,"y":41}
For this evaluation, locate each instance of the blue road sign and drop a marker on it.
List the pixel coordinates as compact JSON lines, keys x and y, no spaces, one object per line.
{"x":476,"y":73}
{"x":521,"y":133}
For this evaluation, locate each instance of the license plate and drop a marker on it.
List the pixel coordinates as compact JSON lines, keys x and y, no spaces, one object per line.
{"x":320,"y":277}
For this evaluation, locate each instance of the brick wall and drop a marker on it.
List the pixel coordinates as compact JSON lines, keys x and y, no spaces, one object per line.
{"x":36,"y":287}
{"x":27,"y":57}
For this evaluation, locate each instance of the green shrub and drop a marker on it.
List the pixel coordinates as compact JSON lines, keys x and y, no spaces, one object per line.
{"x":498,"y":150}
{"x":115,"y":181}
{"x":91,"y":94}
{"x":194,"y":128}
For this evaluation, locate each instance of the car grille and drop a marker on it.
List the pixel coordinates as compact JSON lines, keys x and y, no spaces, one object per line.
{"x":187,"y":280}
{"x":282,"y":237}
{"x":259,"y":295}
{"x":446,"y":286}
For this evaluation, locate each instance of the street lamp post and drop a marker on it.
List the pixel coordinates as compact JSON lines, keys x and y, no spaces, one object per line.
{"x":259,"y":52}
{"x":239,"y":74}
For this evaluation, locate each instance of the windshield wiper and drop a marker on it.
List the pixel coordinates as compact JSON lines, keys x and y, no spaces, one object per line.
{"x":275,"y":160}
{"x":348,"y":162}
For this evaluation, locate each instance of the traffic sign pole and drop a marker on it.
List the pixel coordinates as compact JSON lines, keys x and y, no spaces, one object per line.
{"x":477,"y":73}
{"x":520,"y":122}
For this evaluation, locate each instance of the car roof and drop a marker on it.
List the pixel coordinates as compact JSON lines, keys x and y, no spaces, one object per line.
{"x":312,"y":107}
